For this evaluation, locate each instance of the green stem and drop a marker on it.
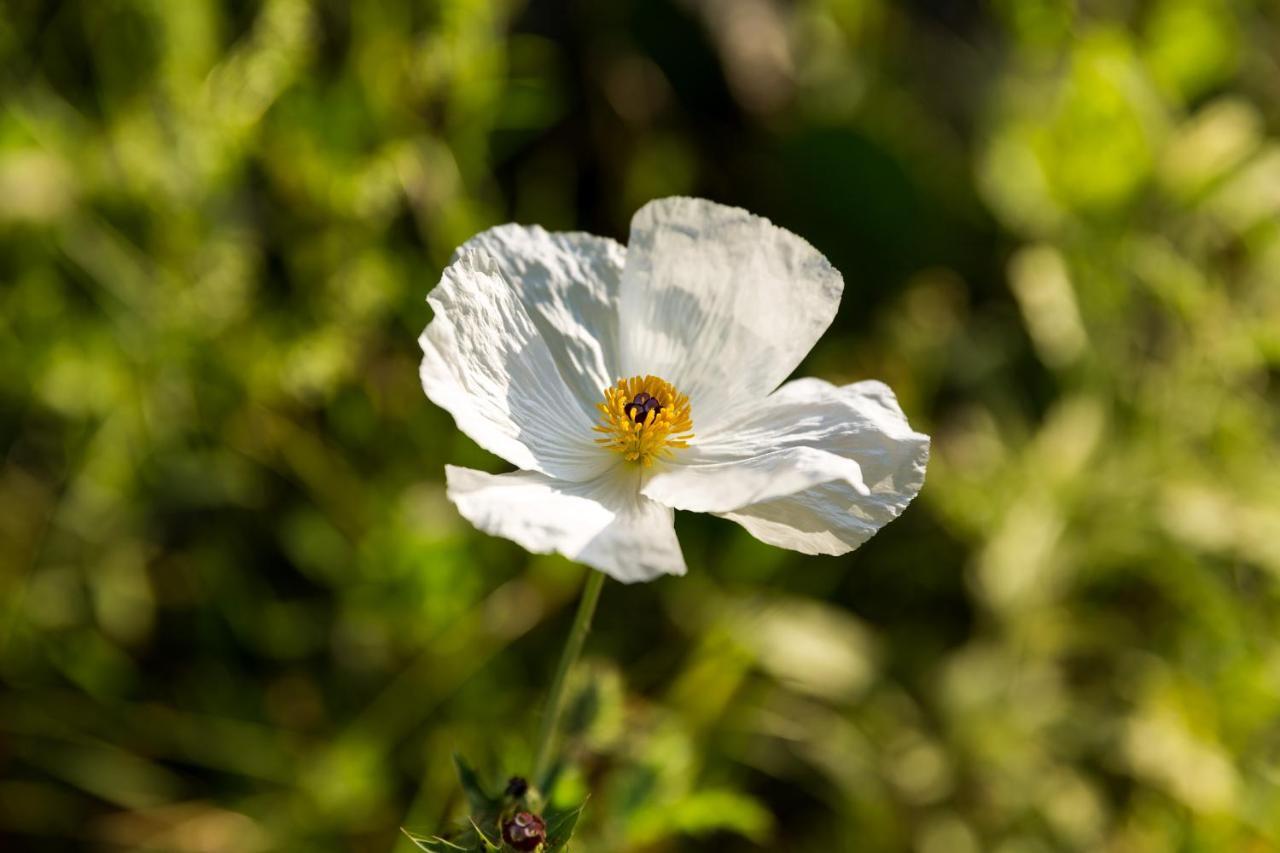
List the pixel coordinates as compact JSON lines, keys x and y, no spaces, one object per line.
{"x":572,"y":648}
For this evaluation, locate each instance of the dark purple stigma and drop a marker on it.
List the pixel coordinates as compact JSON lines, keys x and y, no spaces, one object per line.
{"x":639,"y":408}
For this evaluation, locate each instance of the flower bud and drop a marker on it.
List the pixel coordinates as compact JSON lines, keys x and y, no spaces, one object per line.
{"x":524,"y":831}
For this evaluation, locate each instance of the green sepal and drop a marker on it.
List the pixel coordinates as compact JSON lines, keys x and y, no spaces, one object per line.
{"x":560,"y":826}
{"x":472,"y":840}
{"x":481,"y":802}
{"x":434,"y":843}
{"x":484,"y":839}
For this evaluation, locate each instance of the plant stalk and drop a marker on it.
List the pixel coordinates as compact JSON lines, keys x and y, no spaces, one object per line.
{"x":569,"y":656}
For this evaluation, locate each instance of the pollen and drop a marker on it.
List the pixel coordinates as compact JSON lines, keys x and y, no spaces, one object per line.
{"x":644,"y":418}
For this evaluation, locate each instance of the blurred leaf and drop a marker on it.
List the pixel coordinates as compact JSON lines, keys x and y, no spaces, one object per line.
{"x":546,"y":785}
{"x":702,"y":812}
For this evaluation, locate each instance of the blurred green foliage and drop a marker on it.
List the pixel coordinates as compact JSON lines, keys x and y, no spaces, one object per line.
{"x":237,"y":612}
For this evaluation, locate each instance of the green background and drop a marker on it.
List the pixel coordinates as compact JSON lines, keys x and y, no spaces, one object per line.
{"x":237,"y":612}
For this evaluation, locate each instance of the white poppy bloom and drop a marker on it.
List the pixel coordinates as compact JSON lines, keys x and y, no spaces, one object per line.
{"x":628,"y":382}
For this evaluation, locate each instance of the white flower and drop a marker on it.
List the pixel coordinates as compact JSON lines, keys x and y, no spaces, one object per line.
{"x":628,"y":382}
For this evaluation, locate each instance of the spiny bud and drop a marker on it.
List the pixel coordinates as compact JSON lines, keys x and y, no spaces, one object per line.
{"x":524,"y":831}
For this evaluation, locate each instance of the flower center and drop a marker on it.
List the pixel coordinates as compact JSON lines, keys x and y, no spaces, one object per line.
{"x":644,"y":418}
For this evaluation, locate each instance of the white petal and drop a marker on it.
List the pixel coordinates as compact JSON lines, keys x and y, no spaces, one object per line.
{"x":827,"y":519}
{"x":814,"y":468}
{"x":604,"y":524}
{"x":720,"y":303}
{"x":491,"y":367}
{"x":709,"y":482}
{"x":569,"y":283}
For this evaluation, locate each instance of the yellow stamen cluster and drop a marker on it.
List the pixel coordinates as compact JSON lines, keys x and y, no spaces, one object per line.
{"x":657,"y":433}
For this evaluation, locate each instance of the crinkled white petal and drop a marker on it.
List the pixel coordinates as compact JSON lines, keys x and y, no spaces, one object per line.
{"x":487,"y":363}
{"x":721,"y":303}
{"x":569,"y":283}
{"x":604,"y":523}
{"x":827,"y":519}
{"x":814,"y":468}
